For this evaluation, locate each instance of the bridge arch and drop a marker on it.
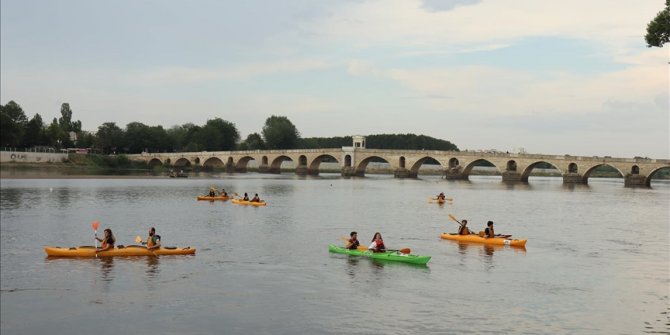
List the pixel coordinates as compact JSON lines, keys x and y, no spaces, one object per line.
{"x":529,"y":169}
{"x":275,"y":167}
{"x":477,"y":162}
{"x":573,"y":168}
{"x":414,"y":170}
{"x":590,"y":170}
{"x":647,"y":181}
{"x":182,"y":162}
{"x":154,"y":162}
{"x":242,"y":163}
{"x":213,"y":163}
{"x":314,"y":165}
{"x":362,"y":166}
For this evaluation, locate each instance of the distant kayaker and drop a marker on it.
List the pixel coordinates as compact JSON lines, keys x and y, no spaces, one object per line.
{"x":153,"y":241}
{"x":353,"y":243}
{"x":223,"y":192}
{"x":107,"y":242}
{"x":246,"y":197}
{"x":489,"y":232}
{"x":377,"y":243}
{"x":256,"y":198}
{"x":212,"y":191}
{"x":441,"y":196}
{"x":463,"y":229}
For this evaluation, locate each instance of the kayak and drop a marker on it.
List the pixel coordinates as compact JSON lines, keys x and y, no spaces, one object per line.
{"x":252,"y":203}
{"x":394,"y":256}
{"x":130,"y":250}
{"x":218,"y":197}
{"x":478,"y":239}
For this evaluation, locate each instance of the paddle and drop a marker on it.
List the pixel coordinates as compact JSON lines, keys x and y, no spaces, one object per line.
{"x":95,"y":225}
{"x":359,"y":248}
{"x":138,"y":239}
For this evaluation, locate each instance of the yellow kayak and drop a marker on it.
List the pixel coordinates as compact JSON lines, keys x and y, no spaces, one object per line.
{"x":206,"y":197}
{"x":478,"y":239}
{"x":130,"y":250}
{"x":252,"y":203}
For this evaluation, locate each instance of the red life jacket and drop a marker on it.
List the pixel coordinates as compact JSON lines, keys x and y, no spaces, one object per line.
{"x":379,"y":245}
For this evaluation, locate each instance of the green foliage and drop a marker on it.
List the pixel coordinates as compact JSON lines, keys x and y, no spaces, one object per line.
{"x":280,"y":133}
{"x":254,"y":141}
{"x":109,"y":137}
{"x":658,"y":30}
{"x":13,"y":122}
{"x":408,"y":142}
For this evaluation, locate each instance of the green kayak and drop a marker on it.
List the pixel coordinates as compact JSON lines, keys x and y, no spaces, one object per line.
{"x":394,"y":256}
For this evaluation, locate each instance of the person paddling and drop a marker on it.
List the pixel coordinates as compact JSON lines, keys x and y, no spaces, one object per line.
{"x":223,"y":192}
{"x":352,"y":243}
{"x":441,"y":196}
{"x":246,"y":197}
{"x":377,"y":244}
{"x":256,"y":198}
{"x":463,"y":229}
{"x":153,"y":241}
{"x":107,"y":242}
{"x":212,"y":191}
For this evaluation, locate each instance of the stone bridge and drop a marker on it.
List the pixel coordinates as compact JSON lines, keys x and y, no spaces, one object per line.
{"x":353,"y":161}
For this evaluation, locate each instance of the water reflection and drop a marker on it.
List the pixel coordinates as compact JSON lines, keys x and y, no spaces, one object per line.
{"x":106,"y":268}
{"x":153,"y":269}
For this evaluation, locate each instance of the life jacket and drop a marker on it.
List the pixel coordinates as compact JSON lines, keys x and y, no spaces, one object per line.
{"x":151,"y":240}
{"x":107,"y":242}
{"x":353,"y":244}
{"x":379,"y":245}
{"x":463,"y":230}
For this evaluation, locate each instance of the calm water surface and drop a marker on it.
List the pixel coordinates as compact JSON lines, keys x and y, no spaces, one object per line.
{"x":597,"y":259}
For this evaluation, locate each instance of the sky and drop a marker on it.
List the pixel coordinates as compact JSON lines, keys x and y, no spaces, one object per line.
{"x":552,"y":77}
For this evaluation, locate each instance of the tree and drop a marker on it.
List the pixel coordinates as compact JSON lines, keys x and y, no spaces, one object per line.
{"x":254,"y":142}
{"x":13,"y":122}
{"x":217,"y":135}
{"x":65,"y":121}
{"x":34,"y":134}
{"x":109,"y":137}
{"x":658,"y":30}
{"x":280,"y":133}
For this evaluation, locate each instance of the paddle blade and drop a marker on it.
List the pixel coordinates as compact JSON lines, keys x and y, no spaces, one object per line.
{"x":362,"y":248}
{"x":405,"y":250}
{"x":138,"y":239}
{"x":95,"y":224}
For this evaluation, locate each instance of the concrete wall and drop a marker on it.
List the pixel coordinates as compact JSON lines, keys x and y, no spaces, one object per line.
{"x":31,"y":157}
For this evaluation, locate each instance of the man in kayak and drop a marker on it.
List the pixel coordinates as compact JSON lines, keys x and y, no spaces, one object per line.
{"x":441,"y":196}
{"x":489,"y":232}
{"x":246,"y":197}
{"x":153,"y":241}
{"x":256,"y":198}
{"x":107,"y":242}
{"x":223,"y":192}
{"x":212,"y":191}
{"x":377,"y":243}
{"x":463,"y":230}
{"x":352,"y":243}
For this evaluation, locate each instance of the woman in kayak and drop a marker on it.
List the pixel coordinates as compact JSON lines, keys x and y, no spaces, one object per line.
{"x":107,"y":241}
{"x":256,"y":198}
{"x":352,"y":243}
{"x":463,"y":230}
{"x":377,"y":243}
{"x":153,"y":241}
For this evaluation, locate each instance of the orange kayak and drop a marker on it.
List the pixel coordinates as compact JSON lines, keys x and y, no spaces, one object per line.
{"x":130,"y":250}
{"x":478,"y":239}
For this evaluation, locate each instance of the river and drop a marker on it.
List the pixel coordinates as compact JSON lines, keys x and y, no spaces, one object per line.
{"x":597,"y":260}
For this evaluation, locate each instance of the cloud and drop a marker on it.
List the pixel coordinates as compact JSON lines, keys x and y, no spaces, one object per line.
{"x":445,"y":5}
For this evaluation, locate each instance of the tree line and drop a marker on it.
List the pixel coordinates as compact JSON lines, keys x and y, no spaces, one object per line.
{"x":278,"y":132}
